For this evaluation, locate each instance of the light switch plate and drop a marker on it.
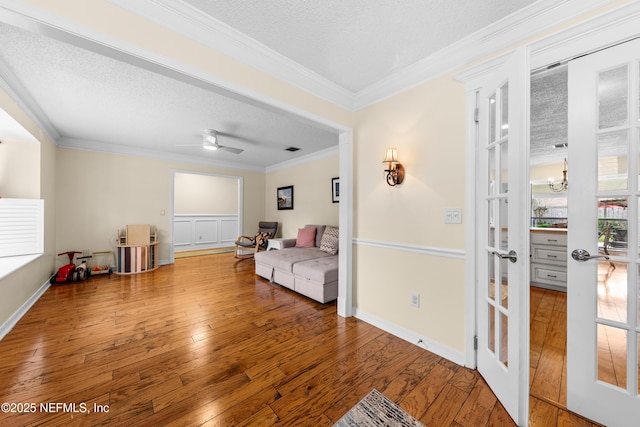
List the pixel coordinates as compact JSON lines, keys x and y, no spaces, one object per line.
{"x":453,"y":215}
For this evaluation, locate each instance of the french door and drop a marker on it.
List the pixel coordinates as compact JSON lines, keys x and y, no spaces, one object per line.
{"x":603,"y":319}
{"x":502,"y":209}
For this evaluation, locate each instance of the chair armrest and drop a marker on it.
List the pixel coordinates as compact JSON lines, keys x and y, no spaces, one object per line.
{"x":241,"y":238}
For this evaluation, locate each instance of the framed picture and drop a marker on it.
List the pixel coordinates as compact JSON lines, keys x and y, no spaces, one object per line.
{"x":285,"y":198}
{"x":335,"y":190}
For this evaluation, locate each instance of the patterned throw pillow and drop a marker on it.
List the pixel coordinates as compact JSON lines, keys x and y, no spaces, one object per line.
{"x":264,"y":237}
{"x":329,"y":242}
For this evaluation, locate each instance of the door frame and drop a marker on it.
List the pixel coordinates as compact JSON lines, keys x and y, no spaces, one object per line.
{"x":174,"y":172}
{"x":605,"y":30}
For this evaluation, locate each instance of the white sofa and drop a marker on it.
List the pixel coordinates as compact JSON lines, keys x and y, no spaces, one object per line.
{"x":312,"y":271}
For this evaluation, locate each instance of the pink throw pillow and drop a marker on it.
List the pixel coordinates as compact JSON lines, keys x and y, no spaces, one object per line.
{"x":306,"y":238}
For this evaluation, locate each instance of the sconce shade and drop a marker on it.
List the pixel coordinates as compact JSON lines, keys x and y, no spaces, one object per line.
{"x":390,"y":155}
{"x":395,"y":172}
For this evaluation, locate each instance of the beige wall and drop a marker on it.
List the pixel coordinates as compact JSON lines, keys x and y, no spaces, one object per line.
{"x":119,"y":190}
{"x":385,"y":279}
{"x":312,"y":202}
{"x":19,"y":169}
{"x":22,"y":284}
{"x":197,"y":194}
{"x":427,"y":126}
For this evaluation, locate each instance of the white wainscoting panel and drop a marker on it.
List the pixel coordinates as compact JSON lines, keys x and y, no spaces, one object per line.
{"x":192,"y":232}
{"x":229,"y":230}
{"x":206,"y":231}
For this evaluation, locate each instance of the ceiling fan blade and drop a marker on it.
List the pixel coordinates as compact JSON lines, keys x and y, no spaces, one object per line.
{"x":230,"y":149}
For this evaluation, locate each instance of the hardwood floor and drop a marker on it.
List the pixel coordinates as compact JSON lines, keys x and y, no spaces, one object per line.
{"x":548,"y":346}
{"x":206,"y":342}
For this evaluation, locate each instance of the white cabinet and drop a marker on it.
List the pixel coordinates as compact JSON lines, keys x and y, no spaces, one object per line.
{"x":549,"y":258}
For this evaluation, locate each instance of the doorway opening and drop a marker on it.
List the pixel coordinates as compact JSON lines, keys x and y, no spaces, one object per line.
{"x":548,"y":235}
{"x":206,"y":213}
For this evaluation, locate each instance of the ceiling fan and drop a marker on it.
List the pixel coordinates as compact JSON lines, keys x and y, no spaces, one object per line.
{"x":210,"y":142}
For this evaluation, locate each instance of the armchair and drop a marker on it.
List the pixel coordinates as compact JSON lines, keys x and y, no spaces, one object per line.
{"x":266,"y":230}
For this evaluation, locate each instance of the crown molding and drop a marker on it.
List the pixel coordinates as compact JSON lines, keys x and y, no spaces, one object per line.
{"x":147,"y":153}
{"x":514,"y":29}
{"x":312,"y":157}
{"x":541,"y":16}
{"x":12,"y":86}
{"x":43,"y":22}
{"x":187,"y":20}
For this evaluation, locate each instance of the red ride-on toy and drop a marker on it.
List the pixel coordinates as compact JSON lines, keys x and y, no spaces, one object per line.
{"x":72,"y":272}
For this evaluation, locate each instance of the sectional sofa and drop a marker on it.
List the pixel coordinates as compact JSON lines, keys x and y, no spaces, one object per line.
{"x":309,"y":267}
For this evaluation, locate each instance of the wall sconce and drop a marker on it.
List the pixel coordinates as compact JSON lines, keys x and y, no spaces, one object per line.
{"x":395,"y":173}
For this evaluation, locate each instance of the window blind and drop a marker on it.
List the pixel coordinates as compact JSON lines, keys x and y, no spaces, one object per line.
{"x":21,"y":227}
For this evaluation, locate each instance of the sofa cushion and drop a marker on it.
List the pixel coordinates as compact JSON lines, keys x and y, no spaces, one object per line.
{"x":322,"y":270}
{"x":319,"y":232}
{"x":329,"y":242}
{"x":285,"y":259}
{"x":306,"y":237}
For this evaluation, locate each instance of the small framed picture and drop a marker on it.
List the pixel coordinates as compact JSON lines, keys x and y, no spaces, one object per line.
{"x":335,"y":190}
{"x":285,"y":198}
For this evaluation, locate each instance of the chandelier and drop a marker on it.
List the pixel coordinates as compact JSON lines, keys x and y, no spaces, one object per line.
{"x":562,"y":185}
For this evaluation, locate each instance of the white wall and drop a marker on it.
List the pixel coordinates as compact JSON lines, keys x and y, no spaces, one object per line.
{"x":197,"y":194}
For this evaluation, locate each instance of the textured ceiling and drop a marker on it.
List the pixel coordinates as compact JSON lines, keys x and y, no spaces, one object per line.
{"x":106,"y":103}
{"x":357,"y":43}
{"x":549,"y":123}
{"x":97,"y":100}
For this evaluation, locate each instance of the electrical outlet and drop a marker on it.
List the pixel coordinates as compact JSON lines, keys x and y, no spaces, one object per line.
{"x":415,"y":299}
{"x":453,"y":215}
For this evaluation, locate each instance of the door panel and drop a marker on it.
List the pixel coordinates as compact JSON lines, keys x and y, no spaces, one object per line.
{"x":602,"y":294}
{"x":502,"y":253}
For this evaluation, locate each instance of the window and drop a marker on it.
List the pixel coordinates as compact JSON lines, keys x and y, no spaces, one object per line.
{"x":21,"y":232}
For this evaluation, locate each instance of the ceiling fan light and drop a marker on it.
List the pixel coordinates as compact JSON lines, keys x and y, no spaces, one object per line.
{"x":208,"y":145}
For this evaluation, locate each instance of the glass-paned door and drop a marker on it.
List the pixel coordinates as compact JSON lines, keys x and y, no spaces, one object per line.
{"x":603,"y":236}
{"x":502,"y":220}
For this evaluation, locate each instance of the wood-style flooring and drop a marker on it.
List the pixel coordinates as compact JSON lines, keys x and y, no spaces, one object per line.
{"x":206,"y":342}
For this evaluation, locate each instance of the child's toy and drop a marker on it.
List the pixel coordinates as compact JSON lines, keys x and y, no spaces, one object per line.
{"x":72,"y":272}
{"x":101,"y":262}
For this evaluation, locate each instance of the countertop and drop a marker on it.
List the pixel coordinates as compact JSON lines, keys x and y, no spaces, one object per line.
{"x":547,"y":230}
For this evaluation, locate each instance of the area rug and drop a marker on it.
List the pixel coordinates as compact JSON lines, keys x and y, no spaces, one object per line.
{"x":375,"y":410}
{"x":200,"y":252}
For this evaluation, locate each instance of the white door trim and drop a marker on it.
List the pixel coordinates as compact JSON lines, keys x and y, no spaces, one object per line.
{"x":174,"y":172}
{"x":605,"y":30}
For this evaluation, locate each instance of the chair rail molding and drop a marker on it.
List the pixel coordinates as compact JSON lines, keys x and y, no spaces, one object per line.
{"x":425,"y":250}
